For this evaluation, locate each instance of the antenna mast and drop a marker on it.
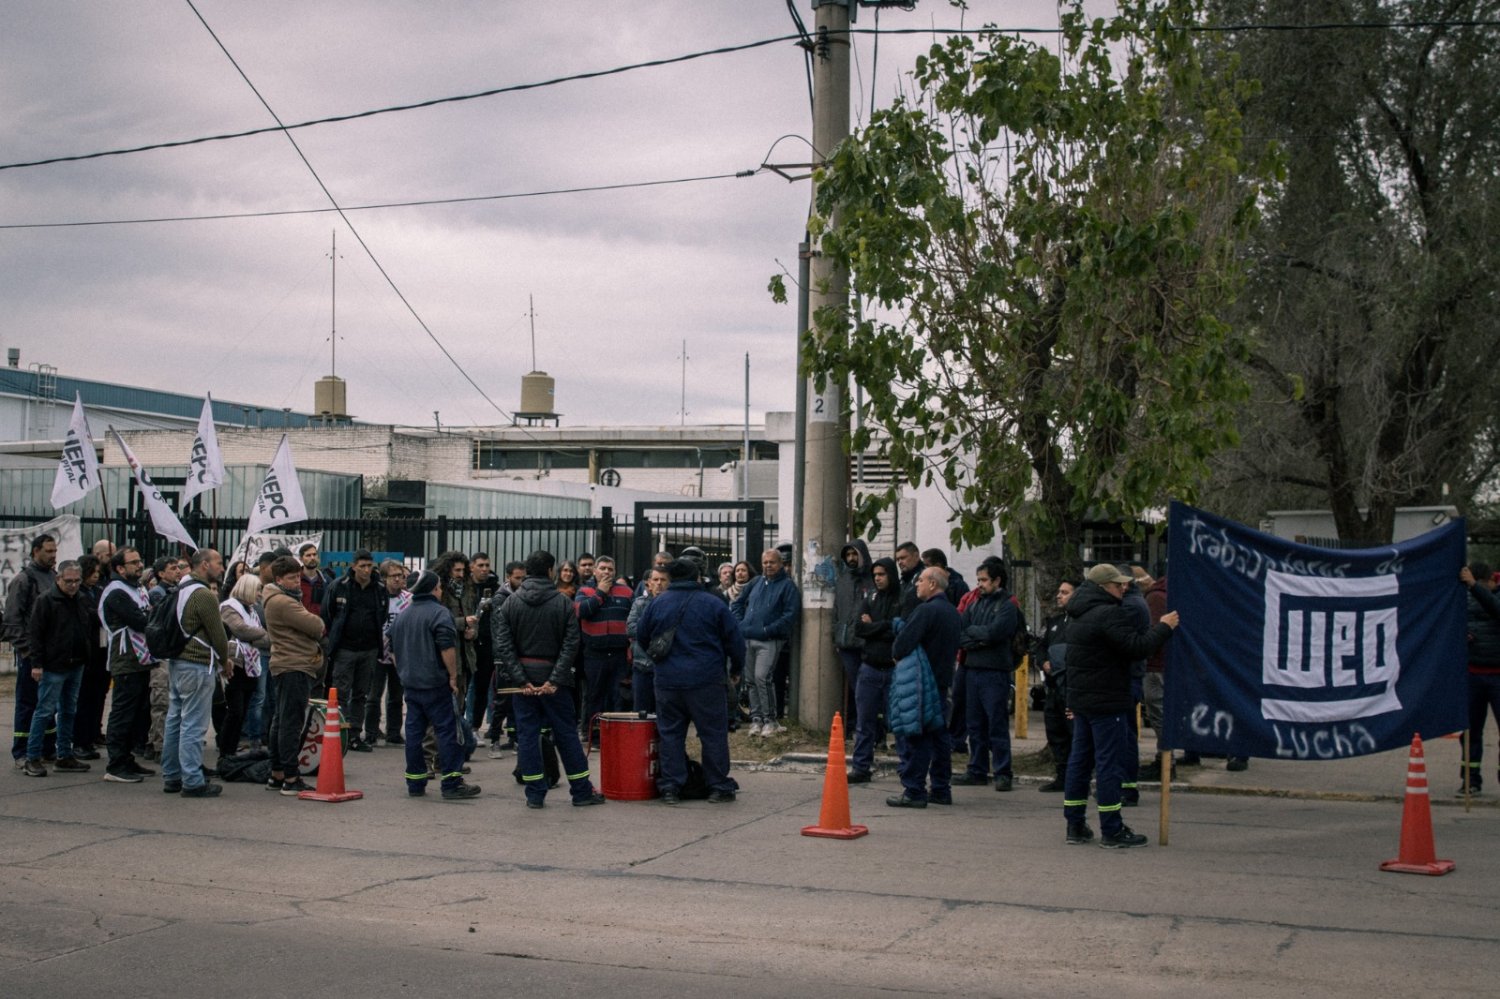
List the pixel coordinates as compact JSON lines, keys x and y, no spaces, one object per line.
{"x":531,"y":301}
{"x":333,"y":321}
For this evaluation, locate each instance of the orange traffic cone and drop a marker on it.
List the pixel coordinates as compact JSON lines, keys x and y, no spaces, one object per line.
{"x":331,"y":760}
{"x":1418,"y":855}
{"x":833,"y":820}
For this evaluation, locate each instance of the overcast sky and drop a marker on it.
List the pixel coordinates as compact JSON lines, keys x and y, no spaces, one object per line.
{"x":241,"y":307}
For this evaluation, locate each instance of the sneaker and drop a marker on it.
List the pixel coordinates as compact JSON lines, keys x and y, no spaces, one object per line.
{"x":273,"y":784}
{"x":48,"y":761}
{"x":940,"y":799}
{"x":967,"y":779}
{"x":71,"y":764}
{"x":1237,"y":763}
{"x":858,"y":777}
{"x":756,"y":730}
{"x":720,"y":797}
{"x":294,"y":786}
{"x":360,"y":746}
{"x":1053,"y":786}
{"x":536,"y":803}
{"x":905,"y":801}
{"x":394,"y":740}
{"x":772,"y":728}
{"x":171,"y":787}
{"x":598,"y":799}
{"x":204,"y":790}
{"x":1473,"y":791}
{"x":496,"y":752}
{"x":671,"y":798}
{"x":123,"y":776}
{"x":135,"y":768}
{"x":461,"y":792}
{"x":85,"y":754}
{"x":1079,"y":833}
{"x":1123,"y":839}
{"x":34,"y":768}
{"x":1004,"y":782}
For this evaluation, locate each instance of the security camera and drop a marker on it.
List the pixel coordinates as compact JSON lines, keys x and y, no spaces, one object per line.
{"x":726,"y":466}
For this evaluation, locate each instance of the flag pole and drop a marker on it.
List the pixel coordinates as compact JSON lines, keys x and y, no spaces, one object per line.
{"x":1164,"y":761}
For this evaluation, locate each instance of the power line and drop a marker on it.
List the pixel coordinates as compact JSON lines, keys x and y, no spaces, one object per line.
{"x":434,"y":102}
{"x":347,"y":221}
{"x":384,"y":204}
{"x":802,"y":39}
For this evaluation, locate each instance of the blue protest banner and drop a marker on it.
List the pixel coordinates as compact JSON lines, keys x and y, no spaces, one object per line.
{"x":1295,"y":652}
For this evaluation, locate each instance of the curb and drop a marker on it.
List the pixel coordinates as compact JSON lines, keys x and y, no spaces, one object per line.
{"x":815,"y":762}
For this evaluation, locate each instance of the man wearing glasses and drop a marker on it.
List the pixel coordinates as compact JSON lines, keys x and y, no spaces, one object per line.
{"x":123,"y":610}
{"x":58,"y":636}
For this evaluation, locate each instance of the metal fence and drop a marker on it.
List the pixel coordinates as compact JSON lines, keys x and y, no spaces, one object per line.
{"x":726,"y":532}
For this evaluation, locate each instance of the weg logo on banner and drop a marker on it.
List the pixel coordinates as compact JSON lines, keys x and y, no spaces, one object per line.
{"x":1294,"y":652}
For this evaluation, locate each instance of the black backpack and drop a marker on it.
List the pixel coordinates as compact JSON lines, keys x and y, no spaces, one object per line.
{"x":165,"y":638}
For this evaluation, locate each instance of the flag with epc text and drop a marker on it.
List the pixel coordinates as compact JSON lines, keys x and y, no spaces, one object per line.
{"x":1295,"y":652}
{"x":205,"y":463}
{"x":78,"y":470}
{"x":280,"y":500}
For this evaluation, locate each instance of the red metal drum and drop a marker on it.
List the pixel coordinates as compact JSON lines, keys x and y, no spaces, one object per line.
{"x":628,"y":756}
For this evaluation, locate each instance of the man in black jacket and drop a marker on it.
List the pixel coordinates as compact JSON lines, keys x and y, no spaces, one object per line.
{"x":1103,"y":639}
{"x":876,"y":631}
{"x":851,"y":583}
{"x":354,"y":610}
{"x":934,"y":627}
{"x":989,"y":624}
{"x":34,"y":579}
{"x":58,"y":636}
{"x":536,"y":638}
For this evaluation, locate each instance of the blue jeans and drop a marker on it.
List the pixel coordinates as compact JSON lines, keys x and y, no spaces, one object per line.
{"x":255,"y":722}
{"x":988,"y":719}
{"x":25,"y":709}
{"x":928,"y":755}
{"x":190,"y":699}
{"x":57,"y":695}
{"x":871,"y":692}
{"x":705,"y":708}
{"x":554,"y":711}
{"x":1099,"y":741}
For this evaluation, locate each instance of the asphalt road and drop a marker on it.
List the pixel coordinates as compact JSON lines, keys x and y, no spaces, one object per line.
{"x":120,"y":890}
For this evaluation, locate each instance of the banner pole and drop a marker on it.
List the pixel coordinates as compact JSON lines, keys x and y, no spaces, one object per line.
{"x":1164,"y":760}
{"x":1463,"y":740}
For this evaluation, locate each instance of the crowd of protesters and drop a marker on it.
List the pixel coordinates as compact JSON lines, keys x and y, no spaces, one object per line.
{"x":442,"y":661}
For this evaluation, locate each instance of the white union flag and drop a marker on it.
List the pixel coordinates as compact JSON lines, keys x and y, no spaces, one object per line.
{"x":280,"y":500}
{"x":78,"y":471}
{"x":162,"y":517}
{"x":205,"y":464}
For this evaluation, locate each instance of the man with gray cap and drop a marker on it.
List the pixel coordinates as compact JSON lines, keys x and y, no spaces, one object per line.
{"x":424,"y":644}
{"x":1103,"y":638}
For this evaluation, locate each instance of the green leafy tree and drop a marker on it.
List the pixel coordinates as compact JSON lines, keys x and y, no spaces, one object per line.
{"x":1047,"y":243}
{"x":1376,"y":276}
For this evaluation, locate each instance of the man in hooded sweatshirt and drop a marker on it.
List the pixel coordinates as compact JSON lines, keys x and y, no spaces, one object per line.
{"x":850,"y":585}
{"x":875,"y":626}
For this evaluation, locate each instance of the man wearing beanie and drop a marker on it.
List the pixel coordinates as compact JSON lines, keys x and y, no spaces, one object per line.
{"x":424,"y":643}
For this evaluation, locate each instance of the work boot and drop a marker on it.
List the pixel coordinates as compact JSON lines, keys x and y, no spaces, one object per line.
{"x":1079,"y":833}
{"x":1126,"y":837}
{"x":1053,"y":786}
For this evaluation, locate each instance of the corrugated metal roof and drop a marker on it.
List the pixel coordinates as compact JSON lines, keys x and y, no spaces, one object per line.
{"x":132,"y":398}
